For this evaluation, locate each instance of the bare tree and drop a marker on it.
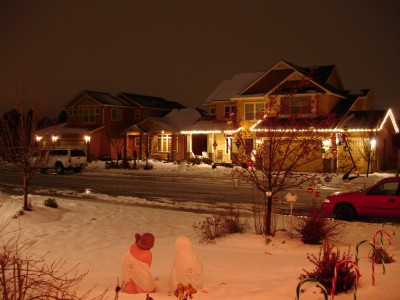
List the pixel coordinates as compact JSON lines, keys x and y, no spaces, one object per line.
{"x":26,"y":277}
{"x":18,"y":144}
{"x":280,"y":153}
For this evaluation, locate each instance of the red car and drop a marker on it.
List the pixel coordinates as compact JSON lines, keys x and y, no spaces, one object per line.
{"x":379,"y":200}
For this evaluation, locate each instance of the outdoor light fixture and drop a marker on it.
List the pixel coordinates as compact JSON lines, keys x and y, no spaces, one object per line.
{"x":237,"y":143}
{"x":326,"y":143}
{"x":38,"y":138}
{"x":87,"y":138}
{"x":54,"y":138}
{"x":373,"y":144}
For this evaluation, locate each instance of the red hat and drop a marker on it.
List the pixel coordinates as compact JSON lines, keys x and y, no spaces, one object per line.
{"x":145,"y":241}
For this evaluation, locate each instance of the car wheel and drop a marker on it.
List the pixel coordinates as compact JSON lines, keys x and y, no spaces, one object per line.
{"x":60,"y":169}
{"x":345,"y":212}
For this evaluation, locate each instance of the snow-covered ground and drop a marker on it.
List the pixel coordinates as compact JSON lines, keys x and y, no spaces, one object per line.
{"x":95,"y":234}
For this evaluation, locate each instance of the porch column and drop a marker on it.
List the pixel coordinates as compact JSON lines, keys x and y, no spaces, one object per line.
{"x":124,"y":160}
{"x":188,"y":146}
{"x":140,"y":146}
{"x":173,"y":146}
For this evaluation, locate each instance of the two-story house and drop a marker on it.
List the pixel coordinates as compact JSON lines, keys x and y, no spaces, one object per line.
{"x":99,"y":120}
{"x":245,"y":101}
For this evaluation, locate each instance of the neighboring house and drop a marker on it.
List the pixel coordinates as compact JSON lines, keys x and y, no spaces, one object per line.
{"x":162,"y":137}
{"x":303,"y":92}
{"x":98,"y":121}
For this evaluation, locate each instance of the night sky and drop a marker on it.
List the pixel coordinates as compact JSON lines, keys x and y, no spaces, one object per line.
{"x":181,"y":50}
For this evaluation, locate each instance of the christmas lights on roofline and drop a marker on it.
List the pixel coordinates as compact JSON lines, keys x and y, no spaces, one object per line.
{"x":209,"y":131}
{"x":389,"y":114}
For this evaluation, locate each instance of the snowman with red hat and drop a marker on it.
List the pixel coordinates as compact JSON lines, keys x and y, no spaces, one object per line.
{"x":135,"y":267}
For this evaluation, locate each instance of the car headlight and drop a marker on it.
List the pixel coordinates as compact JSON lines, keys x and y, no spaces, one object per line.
{"x":326,"y":201}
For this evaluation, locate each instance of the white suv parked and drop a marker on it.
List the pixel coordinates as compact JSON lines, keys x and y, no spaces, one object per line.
{"x":62,"y":159}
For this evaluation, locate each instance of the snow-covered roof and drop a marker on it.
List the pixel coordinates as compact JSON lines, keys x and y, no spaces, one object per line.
{"x":179,"y":119}
{"x":65,"y":129}
{"x":209,"y":126}
{"x":176,"y":120}
{"x":232,"y":87}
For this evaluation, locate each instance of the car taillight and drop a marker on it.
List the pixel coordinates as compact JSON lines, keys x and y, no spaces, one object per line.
{"x":69,"y":159}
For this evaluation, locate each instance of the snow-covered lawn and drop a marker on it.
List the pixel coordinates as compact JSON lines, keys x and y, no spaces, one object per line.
{"x":95,"y":234}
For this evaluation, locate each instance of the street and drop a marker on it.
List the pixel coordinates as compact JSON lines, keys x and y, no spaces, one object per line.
{"x":210,"y":194}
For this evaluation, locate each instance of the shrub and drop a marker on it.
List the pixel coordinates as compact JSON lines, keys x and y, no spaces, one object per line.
{"x":324,"y":270}
{"x":315,"y":229}
{"x":51,"y":202}
{"x":25,"y":277}
{"x":217,"y":226}
{"x":210,"y":228}
{"x":232,"y":223}
{"x":381,"y":256}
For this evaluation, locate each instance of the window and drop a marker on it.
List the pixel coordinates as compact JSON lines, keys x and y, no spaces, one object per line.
{"x":77,"y":153}
{"x":252,"y":111}
{"x":213,"y":111}
{"x":164,"y":143}
{"x":229,"y":111}
{"x":385,"y":189}
{"x":59,"y":152}
{"x":228,"y":144}
{"x":89,"y":114}
{"x":137,"y":142}
{"x":296,"y":105}
{"x":137,"y":114}
{"x":116,"y":114}
{"x":249,"y":146}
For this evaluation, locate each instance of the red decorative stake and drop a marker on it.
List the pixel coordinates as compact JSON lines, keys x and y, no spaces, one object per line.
{"x":275,"y":199}
{"x":310,"y":191}
{"x":317,"y":194}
